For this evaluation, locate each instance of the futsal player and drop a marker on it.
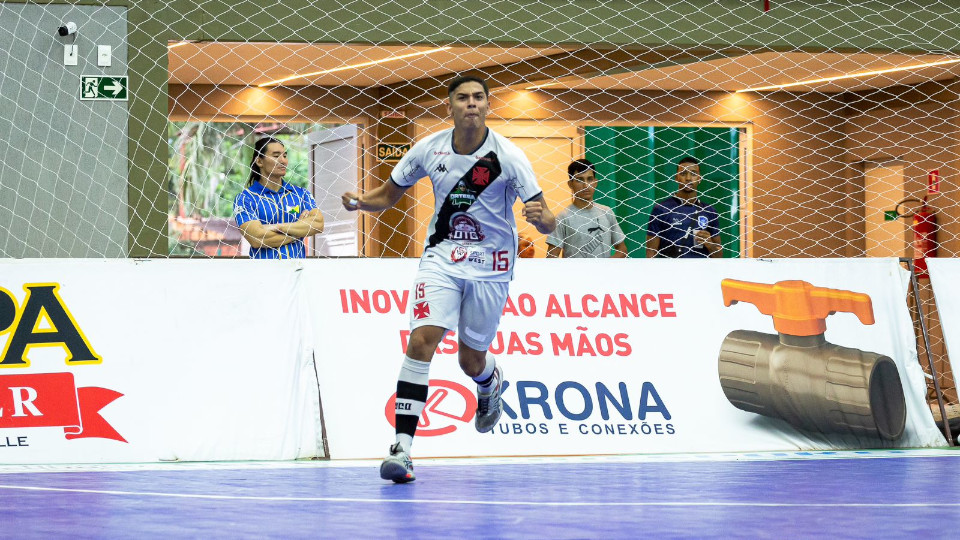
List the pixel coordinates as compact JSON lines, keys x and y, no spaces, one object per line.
{"x":467,"y":263}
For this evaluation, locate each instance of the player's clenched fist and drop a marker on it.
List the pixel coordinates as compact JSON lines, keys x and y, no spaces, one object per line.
{"x":537,"y":214}
{"x":532,"y":212}
{"x":350,"y":201}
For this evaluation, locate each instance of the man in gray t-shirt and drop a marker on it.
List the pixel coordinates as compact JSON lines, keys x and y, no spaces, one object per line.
{"x":585,"y":229}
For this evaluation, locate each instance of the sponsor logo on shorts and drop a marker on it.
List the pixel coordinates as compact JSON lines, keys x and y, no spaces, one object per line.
{"x":449,"y":406}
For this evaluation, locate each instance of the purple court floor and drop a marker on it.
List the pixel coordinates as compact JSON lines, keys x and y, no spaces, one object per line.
{"x":870,"y":494}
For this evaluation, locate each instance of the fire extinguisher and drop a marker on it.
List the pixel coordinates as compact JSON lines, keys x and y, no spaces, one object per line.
{"x":924,"y":236}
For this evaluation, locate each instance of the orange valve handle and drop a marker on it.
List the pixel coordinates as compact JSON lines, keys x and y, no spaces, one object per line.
{"x":797,"y":307}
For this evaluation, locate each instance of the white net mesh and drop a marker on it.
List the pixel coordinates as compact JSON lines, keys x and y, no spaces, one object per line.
{"x":811,"y":119}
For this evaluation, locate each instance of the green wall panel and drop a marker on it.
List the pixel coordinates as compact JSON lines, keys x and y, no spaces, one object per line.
{"x":636,"y":166}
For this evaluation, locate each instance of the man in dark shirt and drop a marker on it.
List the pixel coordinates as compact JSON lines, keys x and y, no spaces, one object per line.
{"x":681,"y":226}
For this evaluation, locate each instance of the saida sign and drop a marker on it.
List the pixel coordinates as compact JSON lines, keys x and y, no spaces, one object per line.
{"x":392,"y":151}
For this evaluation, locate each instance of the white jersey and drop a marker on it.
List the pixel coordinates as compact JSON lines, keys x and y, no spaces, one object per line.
{"x":472,"y":233}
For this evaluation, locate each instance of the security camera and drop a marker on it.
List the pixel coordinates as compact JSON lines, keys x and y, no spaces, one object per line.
{"x":67,"y":29}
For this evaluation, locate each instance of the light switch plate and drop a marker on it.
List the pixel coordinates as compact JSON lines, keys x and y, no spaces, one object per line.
{"x":104,"y":55}
{"x":70,"y":54}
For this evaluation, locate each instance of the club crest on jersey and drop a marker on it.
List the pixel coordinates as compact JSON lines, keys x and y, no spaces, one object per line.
{"x":481,"y":176}
{"x":702,"y":221}
{"x":463,"y":228}
{"x":458,"y":254}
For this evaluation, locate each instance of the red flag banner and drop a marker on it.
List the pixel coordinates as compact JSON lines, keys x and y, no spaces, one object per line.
{"x":52,"y":399}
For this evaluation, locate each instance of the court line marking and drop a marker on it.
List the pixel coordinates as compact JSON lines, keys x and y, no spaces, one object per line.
{"x":707,"y":457}
{"x":478,"y":503}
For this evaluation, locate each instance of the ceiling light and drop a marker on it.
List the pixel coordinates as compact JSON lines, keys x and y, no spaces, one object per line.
{"x":354,"y":66}
{"x":546,"y":85}
{"x":176,"y":44}
{"x":850,"y":76}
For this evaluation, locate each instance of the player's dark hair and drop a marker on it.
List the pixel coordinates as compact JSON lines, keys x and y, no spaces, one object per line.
{"x":259,"y":148}
{"x":454,"y":84}
{"x":688,"y":159}
{"x":580,"y":166}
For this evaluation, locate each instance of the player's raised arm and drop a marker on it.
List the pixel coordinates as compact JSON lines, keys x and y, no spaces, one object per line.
{"x":381,"y":198}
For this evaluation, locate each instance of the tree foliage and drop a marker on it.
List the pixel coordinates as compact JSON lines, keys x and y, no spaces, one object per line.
{"x":209,"y":165}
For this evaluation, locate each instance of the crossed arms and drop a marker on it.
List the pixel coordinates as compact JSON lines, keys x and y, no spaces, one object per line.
{"x":281,"y":234}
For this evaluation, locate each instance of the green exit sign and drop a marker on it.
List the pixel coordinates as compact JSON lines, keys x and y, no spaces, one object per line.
{"x":103,"y":88}
{"x":890,"y":215}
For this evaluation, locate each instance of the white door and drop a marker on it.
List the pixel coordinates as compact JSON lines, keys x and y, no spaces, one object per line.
{"x":334,"y":169}
{"x":883,"y":189}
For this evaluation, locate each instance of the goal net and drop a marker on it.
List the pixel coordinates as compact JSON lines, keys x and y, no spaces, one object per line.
{"x":819,"y":127}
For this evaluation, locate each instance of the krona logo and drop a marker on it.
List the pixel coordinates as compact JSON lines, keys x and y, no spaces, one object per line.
{"x":448,"y":405}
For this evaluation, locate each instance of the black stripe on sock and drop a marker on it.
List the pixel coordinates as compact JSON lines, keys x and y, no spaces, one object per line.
{"x":415,"y":392}
{"x":407,"y":424}
{"x":487,"y":381}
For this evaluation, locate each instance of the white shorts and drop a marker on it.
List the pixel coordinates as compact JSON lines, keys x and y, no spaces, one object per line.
{"x":473,"y":308}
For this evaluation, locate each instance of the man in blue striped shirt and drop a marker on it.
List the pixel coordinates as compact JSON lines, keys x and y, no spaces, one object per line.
{"x":273,"y":215}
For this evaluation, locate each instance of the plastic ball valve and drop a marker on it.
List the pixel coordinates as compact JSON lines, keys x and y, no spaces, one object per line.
{"x":797,"y":375}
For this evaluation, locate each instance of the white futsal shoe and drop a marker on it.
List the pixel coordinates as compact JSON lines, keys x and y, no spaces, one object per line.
{"x":397,"y":466}
{"x":489,"y":406}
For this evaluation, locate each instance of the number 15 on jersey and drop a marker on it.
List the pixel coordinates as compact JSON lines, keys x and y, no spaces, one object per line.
{"x":501,"y":261}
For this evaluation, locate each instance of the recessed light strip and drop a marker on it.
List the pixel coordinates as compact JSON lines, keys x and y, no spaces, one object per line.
{"x":546,"y":85}
{"x":850,"y":76}
{"x":354,"y":66}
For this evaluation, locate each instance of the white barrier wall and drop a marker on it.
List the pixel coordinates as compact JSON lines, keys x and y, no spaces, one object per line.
{"x":126,"y":361}
{"x":945,"y":280}
{"x":644,"y":334}
{"x":193,"y":361}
